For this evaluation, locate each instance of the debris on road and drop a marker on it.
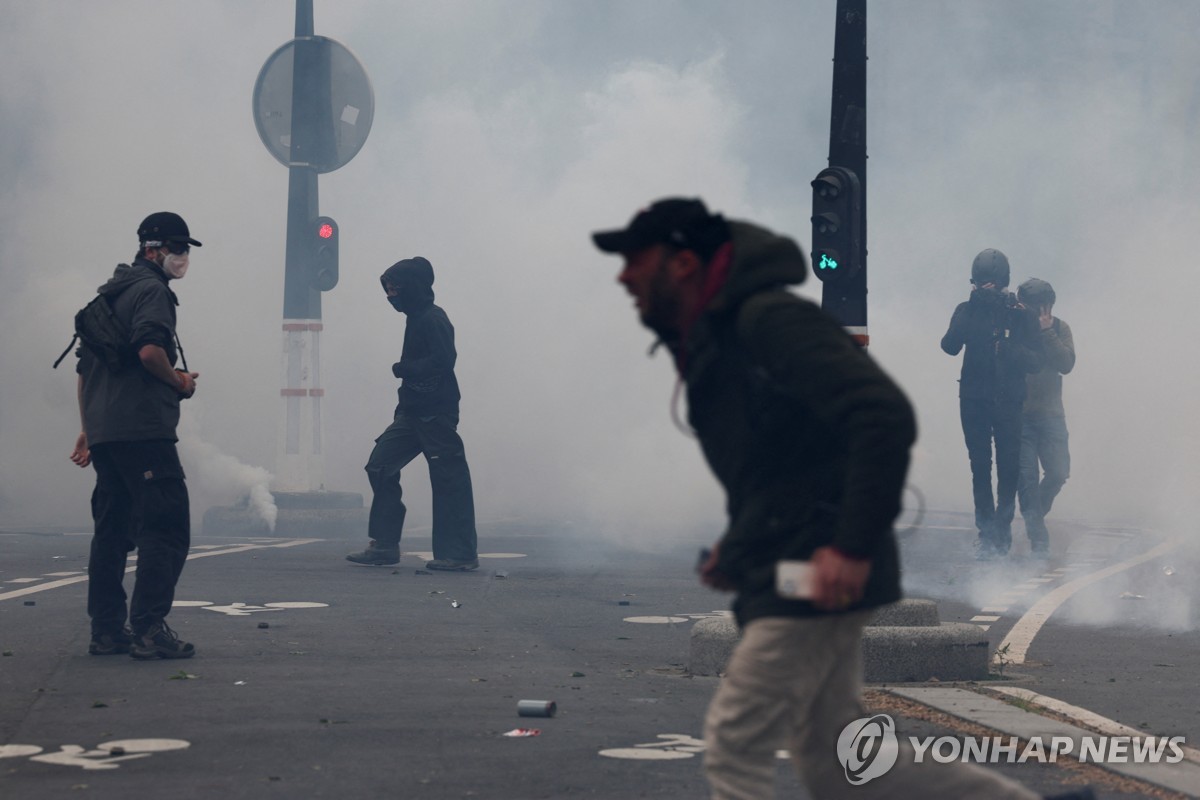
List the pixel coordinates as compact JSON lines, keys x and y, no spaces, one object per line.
{"x":501,"y":574}
{"x":263,"y":625}
{"x":31,"y":602}
{"x":515,"y":732}
{"x":622,"y":602}
{"x":578,"y":675}
{"x":422,"y":572}
{"x":182,"y":676}
{"x":1130,"y":596}
{"x":455,"y":604}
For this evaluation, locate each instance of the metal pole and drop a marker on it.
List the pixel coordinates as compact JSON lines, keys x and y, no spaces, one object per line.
{"x":299,"y":462}
{"x":847,"y":300}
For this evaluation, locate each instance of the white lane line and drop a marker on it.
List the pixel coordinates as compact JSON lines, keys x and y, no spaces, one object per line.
{"x":81,"y":578}
{"x":1016,"y":644}
{"x":1039,"y":580}
{"x":984,"y":618}
{"x":23,"y":580}
{"x":994,"y":609}
{"x":63,"y":574}
{"x":985,"y":627}
{"x":1087,"y":718}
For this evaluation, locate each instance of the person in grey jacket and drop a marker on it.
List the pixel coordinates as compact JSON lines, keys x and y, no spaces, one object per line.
{"x":1045,"y":457}
{"x":129,"y":415}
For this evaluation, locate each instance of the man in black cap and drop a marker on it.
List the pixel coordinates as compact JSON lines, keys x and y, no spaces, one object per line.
{"x":425,"y":421}
{"x":129,"y":411}
{"x":810,"y":440}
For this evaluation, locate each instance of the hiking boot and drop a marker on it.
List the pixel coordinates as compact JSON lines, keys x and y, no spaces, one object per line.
{"x":450,"y":565}
{"x":110,"y":644}
{"x":160,"y":642}
{"x":376,"y":554}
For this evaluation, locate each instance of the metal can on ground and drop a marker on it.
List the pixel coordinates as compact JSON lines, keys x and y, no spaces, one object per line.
{"x":536,"y":708}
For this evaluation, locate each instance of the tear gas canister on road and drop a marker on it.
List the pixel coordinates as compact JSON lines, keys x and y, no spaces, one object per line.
{"x":536,"y":708}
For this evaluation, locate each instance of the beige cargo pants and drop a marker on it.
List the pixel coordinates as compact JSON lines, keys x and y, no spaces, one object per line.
{"x":794,"y":682}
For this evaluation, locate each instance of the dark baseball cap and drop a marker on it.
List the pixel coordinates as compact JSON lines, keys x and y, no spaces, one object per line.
{"x":165,"y":226}
{"x":676,"y":221}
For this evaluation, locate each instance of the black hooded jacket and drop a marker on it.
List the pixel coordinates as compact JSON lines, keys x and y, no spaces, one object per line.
{"x":426,"y":366}
{"x":1002,"y":347}
{"x":806,"y":433}
{"x":132,"y":405}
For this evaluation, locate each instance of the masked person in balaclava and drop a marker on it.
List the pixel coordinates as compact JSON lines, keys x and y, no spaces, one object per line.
{"x":425,"y":422}
{"x":1000,"y":337}
{"x":129,"y":409}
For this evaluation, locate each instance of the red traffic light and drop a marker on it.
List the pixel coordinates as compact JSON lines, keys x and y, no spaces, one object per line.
{"x":325,"y":231}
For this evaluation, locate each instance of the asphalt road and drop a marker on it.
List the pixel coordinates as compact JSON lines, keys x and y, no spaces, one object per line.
{"x":318,"y":678}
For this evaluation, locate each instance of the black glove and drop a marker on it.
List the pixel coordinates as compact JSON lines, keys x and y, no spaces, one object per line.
{"x":396,"y":369}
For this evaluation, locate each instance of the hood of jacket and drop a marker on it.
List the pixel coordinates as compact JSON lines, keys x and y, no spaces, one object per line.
{"x":761,"y":260}
{"x":414,"y":278}
{"x":125,"y":275}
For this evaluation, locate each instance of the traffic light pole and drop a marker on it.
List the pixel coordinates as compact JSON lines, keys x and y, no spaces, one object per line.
{"x":846,"y":298}
{"x":300,"y":441}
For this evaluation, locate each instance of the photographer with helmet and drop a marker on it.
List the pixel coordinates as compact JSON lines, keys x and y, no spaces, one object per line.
{"x":1045,"y":459}
{"x":1002,"y":346}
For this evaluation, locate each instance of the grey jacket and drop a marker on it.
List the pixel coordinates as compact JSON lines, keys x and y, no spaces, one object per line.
{"x":132,"y":405}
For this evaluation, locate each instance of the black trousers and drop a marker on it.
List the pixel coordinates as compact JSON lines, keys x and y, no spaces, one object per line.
{"x":986,"y":421}
{"x":450,"y":479}
{"x":140,"y":502}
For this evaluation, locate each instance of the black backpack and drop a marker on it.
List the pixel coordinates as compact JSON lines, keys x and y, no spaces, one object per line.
{"x":103,"y":333}
{"x":100,"y":330}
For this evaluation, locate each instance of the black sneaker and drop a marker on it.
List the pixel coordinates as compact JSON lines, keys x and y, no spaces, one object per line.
{"x":376,"y":555}
{"x":110,"y":644}
{"x":160,"y":642}
{"x":986,"y":551}
{"x":450,"y":565}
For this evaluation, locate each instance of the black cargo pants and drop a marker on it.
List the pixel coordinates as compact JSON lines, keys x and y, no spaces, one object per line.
{"x":450,"y":480}
{"x":985,"y":421}
{"x":140,"y":502}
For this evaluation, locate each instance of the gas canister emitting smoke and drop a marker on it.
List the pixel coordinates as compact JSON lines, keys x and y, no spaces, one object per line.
{"x":221,"y":479}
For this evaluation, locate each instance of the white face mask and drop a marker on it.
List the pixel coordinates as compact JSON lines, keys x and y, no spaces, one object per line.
{"x":175,"y":265}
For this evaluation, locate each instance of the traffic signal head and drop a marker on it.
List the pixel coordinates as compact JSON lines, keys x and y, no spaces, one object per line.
{"x":324,"y":241}
{"x":837,"y":224}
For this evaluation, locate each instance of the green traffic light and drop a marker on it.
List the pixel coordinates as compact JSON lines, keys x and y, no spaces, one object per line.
{"x":827,"y":262}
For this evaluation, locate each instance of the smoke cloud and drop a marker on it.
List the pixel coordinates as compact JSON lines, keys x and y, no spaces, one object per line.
{"x":1060,"y":133}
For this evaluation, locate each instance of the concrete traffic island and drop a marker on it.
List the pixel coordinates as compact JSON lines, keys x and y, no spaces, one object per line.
{"x":340,"y":514}
{"x":904,"y":643}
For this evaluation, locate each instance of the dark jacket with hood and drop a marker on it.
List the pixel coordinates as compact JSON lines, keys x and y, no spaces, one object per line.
{"x":426,"y":366}
{"x":131,"y":405}
{"x":1002,"y":346}
{"x":806,"y":433}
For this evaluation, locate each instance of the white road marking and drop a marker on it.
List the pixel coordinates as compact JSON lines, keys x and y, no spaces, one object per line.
{"x":1020,"y":637}
{"x":18,"y":750}
{"x":42,"y":587}
{"x":994,"y":609}
{"x":984,"y":618}
{"x":428,"y":556}
{"x":985,"y":627}
{"x":1087,"y":718}
{"x":297,"y":604}
{"x":1040,"y":580}
{"x":22,"y":580}
{"x":657,"y":620}
{"x":63,"y":574}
